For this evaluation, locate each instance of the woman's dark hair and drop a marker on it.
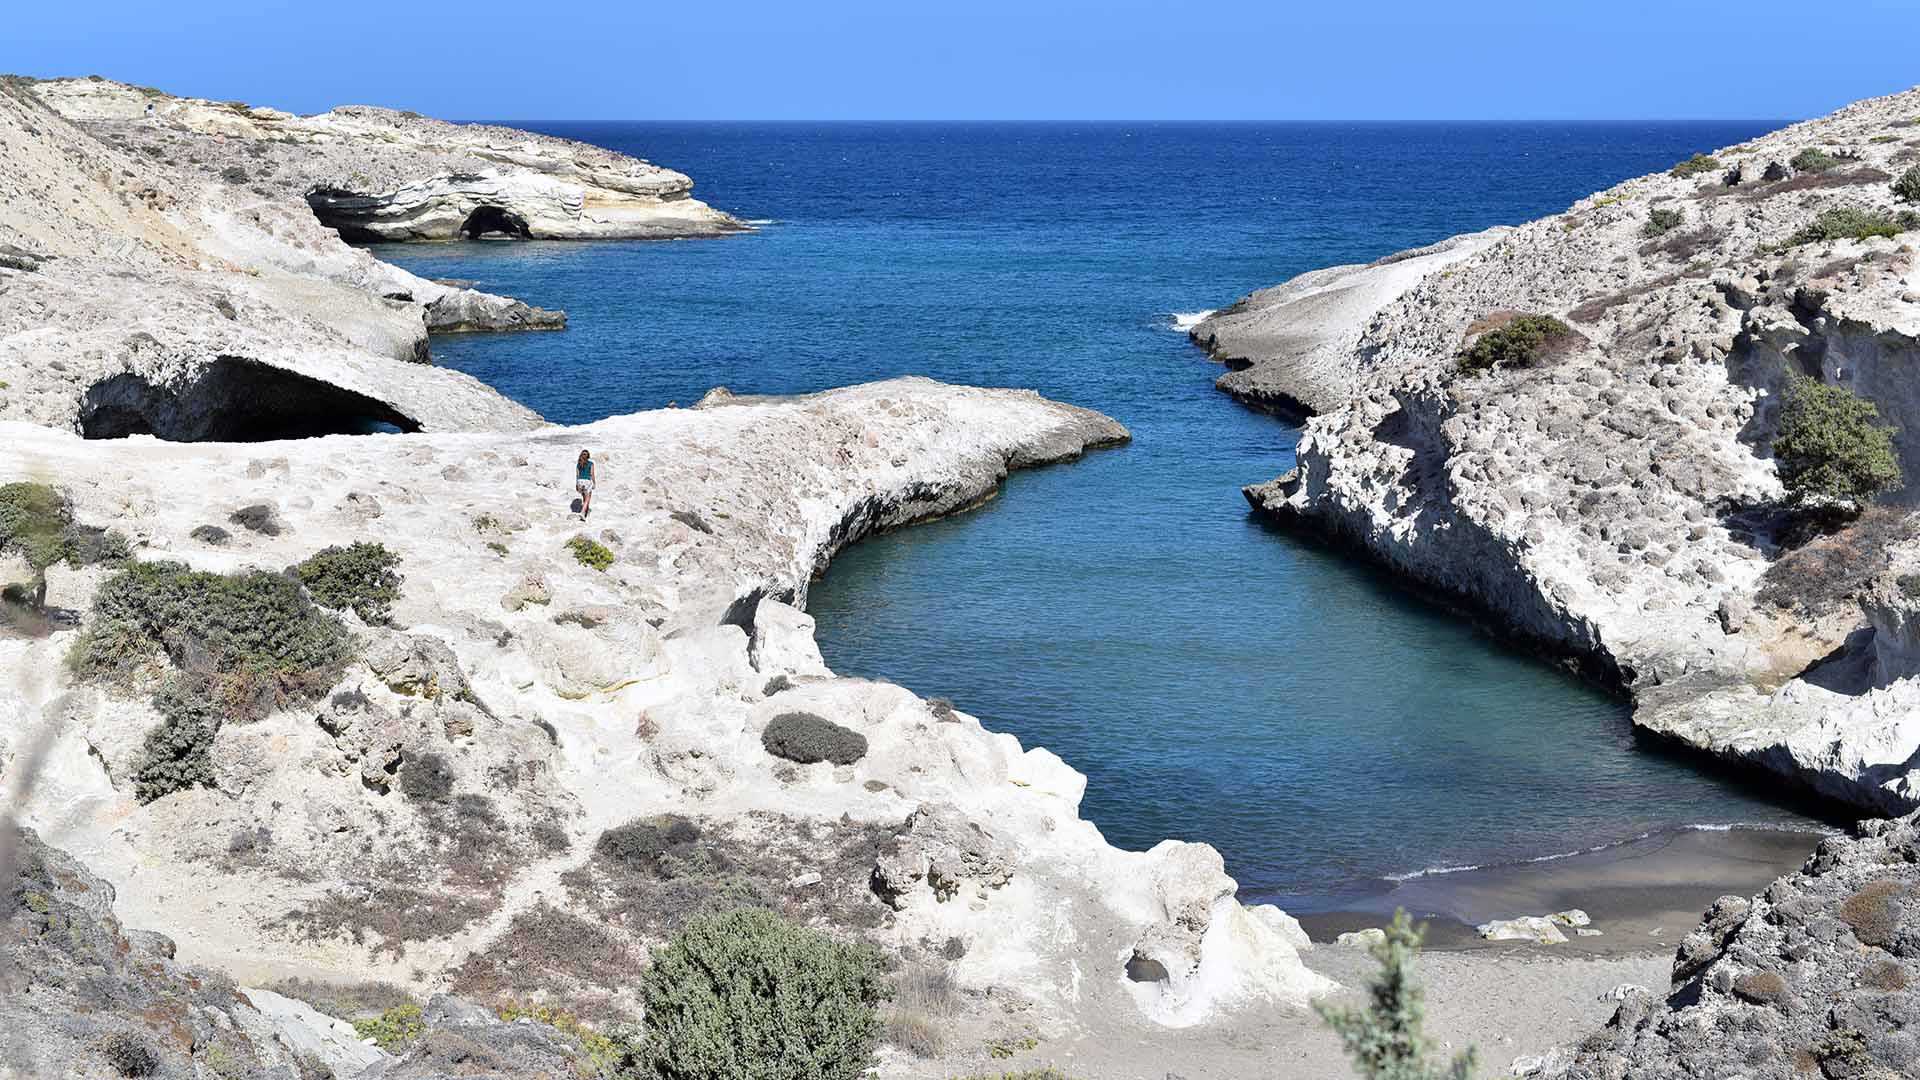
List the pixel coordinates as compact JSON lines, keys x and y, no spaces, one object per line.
{"x":584,"y":455}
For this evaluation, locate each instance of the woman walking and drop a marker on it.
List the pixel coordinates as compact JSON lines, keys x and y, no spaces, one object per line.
{"x":583,"y":483}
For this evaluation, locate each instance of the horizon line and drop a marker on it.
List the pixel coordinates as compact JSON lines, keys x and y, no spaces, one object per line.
{"x":1379,"y":121}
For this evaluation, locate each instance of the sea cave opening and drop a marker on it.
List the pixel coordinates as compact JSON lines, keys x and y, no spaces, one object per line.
{"x":494,"y":220}
{"x":233,"y":399}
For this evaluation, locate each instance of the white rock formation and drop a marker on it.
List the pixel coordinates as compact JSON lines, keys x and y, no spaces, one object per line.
{"x":380,"y":174}
{"x":144,"y":297}
{"x":1294,"y":348}
{"x":1612,"y":507}
{"x":550,"y":702}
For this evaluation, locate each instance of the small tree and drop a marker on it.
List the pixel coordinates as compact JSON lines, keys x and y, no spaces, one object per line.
{"x":1385,"y":1039}
{"x":1832,"y":445}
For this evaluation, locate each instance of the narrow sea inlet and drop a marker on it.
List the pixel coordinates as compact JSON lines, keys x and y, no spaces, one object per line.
{"x":1215,"y":680}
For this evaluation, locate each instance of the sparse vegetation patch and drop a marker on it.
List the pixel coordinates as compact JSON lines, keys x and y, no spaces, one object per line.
{"x":591,"y":552}
{"x":1526,"y":340}
{"x":1853,"y":223}
{"x":1694,"y":166}
{"x":1662,"y":220}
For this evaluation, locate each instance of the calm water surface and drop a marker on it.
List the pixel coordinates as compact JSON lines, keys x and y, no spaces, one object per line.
{"x":1214,"y":679}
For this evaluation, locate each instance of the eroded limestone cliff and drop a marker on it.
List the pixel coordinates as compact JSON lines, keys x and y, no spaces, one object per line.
{"x":1617,"y":503}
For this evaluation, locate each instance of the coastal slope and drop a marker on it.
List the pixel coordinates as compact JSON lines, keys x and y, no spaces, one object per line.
{"x":444,"y":811}
{"x":1615,"y":503}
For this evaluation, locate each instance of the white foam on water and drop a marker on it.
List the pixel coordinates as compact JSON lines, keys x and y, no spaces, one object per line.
{"x":759,"y":221}
{"x":1437,"y":871}
{"x":1184,"y":321}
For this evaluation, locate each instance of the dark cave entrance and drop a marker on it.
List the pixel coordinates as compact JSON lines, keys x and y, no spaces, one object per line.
{"x":493,"y":220}
{"x":233,"y":400}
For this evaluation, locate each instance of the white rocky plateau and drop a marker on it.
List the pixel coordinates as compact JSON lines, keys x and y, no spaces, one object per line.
{"x":569,"y":700}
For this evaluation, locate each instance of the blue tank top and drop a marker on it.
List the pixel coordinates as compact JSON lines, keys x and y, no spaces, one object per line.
{"x":586,"y":470}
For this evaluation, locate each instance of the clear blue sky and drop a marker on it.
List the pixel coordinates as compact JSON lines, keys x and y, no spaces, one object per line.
{"x":993,"y":59}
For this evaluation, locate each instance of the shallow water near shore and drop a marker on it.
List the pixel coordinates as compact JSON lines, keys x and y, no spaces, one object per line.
{"x":1216,"y":680}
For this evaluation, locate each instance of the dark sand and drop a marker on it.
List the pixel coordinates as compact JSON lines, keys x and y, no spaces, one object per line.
{"x":1643,"y":895}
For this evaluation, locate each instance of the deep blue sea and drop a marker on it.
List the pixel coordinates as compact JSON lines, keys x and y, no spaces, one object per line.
{"x":1214,"y":679}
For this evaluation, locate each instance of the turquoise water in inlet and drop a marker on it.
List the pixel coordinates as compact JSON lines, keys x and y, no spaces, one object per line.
{"x":1215,"y":680}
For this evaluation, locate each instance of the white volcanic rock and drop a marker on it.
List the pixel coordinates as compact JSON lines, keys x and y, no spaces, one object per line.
{"x":1611,"y":506}
{"x":380,"y":174}
{"x":441,"y":810}
{"x":158,"y":300}
{"x":1293,"y":348}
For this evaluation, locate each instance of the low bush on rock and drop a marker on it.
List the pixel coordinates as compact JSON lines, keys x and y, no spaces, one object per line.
{"x":1907,"y":187}
{"x":642,"y":845}
{"x":1661,"y":221}
{"x":746,"y":995}
{"x":129,"y":1055}
{"x":393,"y":1029}
{"x":1813,"y":159}
{"x":360,"y":577}
{"x":1832,"y":445}
{"x":1694,"y":166}
{"x":240,"y":646}
{"x":591,"y":552}
{"x":259,"y":639}
{"x":1385,"y":1039}
{"x":37,"y":524}
{"x":806,"y":738}
{"x":1527,"y":340}
{"x":1852,"y":223}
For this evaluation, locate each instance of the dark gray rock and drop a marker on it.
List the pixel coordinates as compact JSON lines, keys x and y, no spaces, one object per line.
{"x":1814,"y":977}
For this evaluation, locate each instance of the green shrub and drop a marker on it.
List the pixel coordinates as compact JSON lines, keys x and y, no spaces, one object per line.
{"x":1853,"y":223}
{"x":1661,"y":221}
{"x":1884,"y":139}
{"x":253,"y":640}
{"x":1524,"y":341}
{"x":394,"y":1028}
{"x":360,"y":577}
{"x":806,"y":738}
{"x":745,"y":995}
{"x":1385,"y":1039}
{"x":591,"y":552}
{"x":1831,"y":444}
{"x":1813,"y":160}
{"x":37,"y":524}
{"x":1694,"y":166}
{"x":178,"y":752}
{"x":1907,"y":187}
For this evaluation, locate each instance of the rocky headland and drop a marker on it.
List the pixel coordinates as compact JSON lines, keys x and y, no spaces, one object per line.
{"x":1615,"y":502}
{"x":380,"y":174}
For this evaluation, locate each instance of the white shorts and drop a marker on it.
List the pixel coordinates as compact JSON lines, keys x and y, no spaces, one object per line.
{"x":584,"y":487}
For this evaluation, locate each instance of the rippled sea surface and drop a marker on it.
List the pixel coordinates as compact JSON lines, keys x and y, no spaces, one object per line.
{"x":1215,"y":680}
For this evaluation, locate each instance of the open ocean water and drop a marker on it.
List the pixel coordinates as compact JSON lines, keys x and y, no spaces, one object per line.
{"x":1215,"y":680}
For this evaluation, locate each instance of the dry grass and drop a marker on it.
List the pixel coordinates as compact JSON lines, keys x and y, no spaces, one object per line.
{"x":926,"y":1004}
{"x":553,"y":956}
{"x":1831,"y":571}
{"x":343,"y":1000}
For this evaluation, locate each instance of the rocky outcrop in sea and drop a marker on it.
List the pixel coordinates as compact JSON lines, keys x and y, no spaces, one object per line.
{"x":1616,"y":505}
